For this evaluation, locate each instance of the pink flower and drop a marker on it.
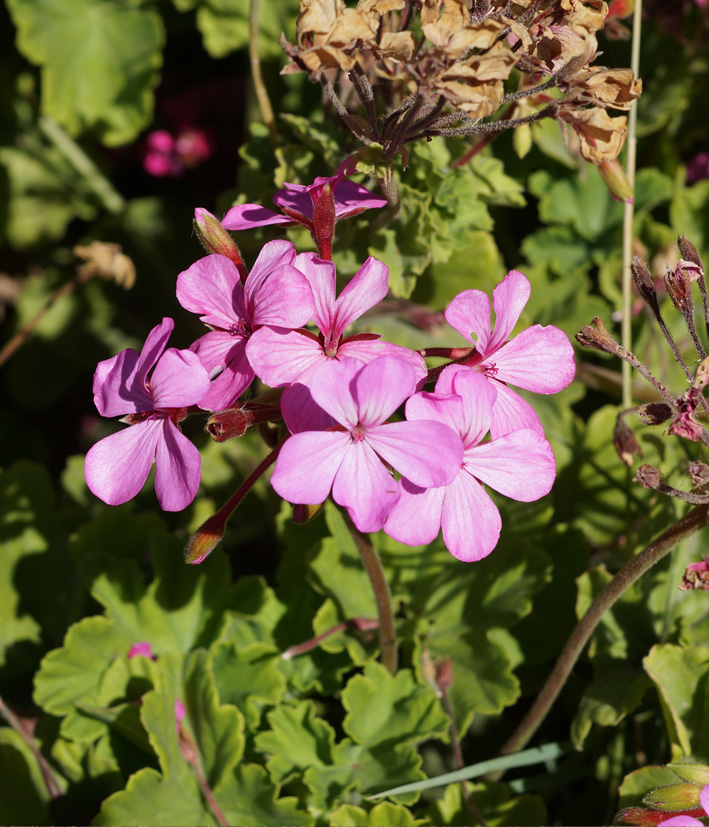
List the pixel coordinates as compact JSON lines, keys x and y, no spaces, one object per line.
{"x":298,"y":202}
{"x":688,"y":821}
{"x":281,"y":357}
{"x":519,"y":465}
{"x":118,"y":466}
{"x":275,"y":293}
{"x":350,"y":460}
{"x":141,"y":649}
{"x":539,"y":359}
{"x":167,"y":156}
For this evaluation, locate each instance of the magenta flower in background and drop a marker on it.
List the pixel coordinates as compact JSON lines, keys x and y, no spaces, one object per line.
{"x":698,"y":168}
{"x":297,"y":202}
{"x":350,"y":460}
{"x":167,"y":155}
{"x":275,"y":293}
{"x":539,"y":359}
{"x":281,"y":357}
{"x":118,"y":466}
{"x":688,"y":821}
{"x":519,"y":465}
{"x":141,"y":649}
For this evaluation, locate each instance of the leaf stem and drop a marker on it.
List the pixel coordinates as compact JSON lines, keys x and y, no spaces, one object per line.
{"x":385,"y":610}
{"x":697,"y":519}
{"x":264,"y":102}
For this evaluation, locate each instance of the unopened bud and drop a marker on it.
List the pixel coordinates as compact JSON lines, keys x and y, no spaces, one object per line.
{"x":654,"y":413}
{"x":626,"y":445}
{"x":639,"y":817}
{"x":324,"y":221}
{"x":689,"y":252}
{"x":674,"y":797}
{"x":645,"y":283}
{"x":647,"y":476}
{"x":616,"y":180}
{"x":214,"y":238}
{"x":691,"y":771}
{"x":305,"y":513}
{"x":203,"y":542}
{"x":679,"y":289}
{"x":444,"y":673}
{"x":596,"y":336}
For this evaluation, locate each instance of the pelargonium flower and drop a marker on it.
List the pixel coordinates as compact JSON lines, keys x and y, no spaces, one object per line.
{"x":275,"y":293}
{"x":297,"y":202}
{"x":118,"y":466}
{"x":539,"y":359}
{"x":519,"y":465}
{"x":350,"y":461}
{"x":689,"y":821}
{"x":281,"y":357}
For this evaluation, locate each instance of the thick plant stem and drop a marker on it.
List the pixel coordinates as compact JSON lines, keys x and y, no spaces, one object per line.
{"x":264,"y":102}
{"x":628,"y":211}
{"x":382,"y":595}
{"x":697,"y":519}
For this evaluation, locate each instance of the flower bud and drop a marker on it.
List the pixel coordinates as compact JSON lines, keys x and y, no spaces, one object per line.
{"x":674,"y":797}
{"x":654,"y":413}
{"x":305,"y":513}
{"x":626,"y":445}
{"x":688,"y":251}
{"x":616,"y":180}
{"x":679,"y":290}
{"x":645,"y":283}
{"x":324,"y":221}
{"x":203,"y":542}
{"x":597,"y":337}
{"x":647,"y":476}
{"x":639,"y":817}
{"x":214,"y":238}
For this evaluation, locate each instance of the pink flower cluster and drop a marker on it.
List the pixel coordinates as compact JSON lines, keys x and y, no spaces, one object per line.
{"x":340,"y":393}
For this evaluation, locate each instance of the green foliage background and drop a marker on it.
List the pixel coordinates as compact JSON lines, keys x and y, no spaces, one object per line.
{"x":307,"y":740}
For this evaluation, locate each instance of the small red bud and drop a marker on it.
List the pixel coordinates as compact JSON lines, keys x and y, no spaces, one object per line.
{"x":324,"y":221}
{"x":647,"y":476}
{"x":305,"y":513}
{"x":616,"y":180}
{"x":203,"y":542}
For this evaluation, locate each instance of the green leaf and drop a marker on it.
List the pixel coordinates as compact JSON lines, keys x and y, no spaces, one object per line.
{"x":295,"y":741}
{"x":681,"y":676}
{"x":559,"y":247}
{"x":224,"y":25}
{"x":381,"y":815}
{"x":636,"y":784}
{"x":387,"y":710}
{"x":248,"y":677}
{"x":99,"y":60}
{"x":688,"y":214}
{"x":494,"y":804}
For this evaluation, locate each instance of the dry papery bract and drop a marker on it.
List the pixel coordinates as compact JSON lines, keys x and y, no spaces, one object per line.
{"x":411,"y":61}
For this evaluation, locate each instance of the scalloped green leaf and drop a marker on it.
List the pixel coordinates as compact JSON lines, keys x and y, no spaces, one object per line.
{"x":224,"y":25}
{"x":381,"y":815}
{"x":494,"y":804}
{"x":99,"y":59}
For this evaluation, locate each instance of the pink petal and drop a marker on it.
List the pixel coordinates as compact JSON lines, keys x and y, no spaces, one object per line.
{"x":281,"y":356}
{"x":177,"y":469}
{"x":276,"y":292}
{"x":520,"y":465}
{"x":470,"y":520}
{"x":478,"y":395}
{"x":246,"y":216}
{"x":681,"y":821}
{"x":512,"y":413}
{"x":364,"y":487}
{"x":321,"y":276}
{"x":272,"y":255}
{"x":217,"y":348}
{"x":116,"y":467}
{"x":231,"y":382}
{"x":426,"y":452}
{"x":509,"y":299}
{"x":381,"y":387}
{"x":153,"y":347}
{"x":540,"y":359}
{"x":446,"y":408}
{"x":369,"y":349}
{"x":179,"y":380}
{"x":331,"y":387}
{"x":117,"y":390}
{"x":416,"y":517}
{"x":366,"y":289}
{"x":469,"y":314}
{"x":704,"y":798}
{"x":296,"y":197}
{"x":351,"y":197}
{"x":300,"y":411}
{"x":212,"y":288}
{"x":307,"y":464}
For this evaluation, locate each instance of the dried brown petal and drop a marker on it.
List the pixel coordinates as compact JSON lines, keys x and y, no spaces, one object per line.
{"x":395,"y":46}
{"x":601,"y":137}
{"x":616,"y":88}
{"x":318,"y":16}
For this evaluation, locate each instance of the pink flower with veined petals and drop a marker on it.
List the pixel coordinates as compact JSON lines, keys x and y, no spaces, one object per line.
{"x":117,"y":466}
{"x":539,"y":359}
{"x":297,"y":202}
{"x":350,"y":460}
{"x":519,"y":465}
{"x":281,"y":357}
{"x":688,"y":821}
{"x":275,"y":293}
